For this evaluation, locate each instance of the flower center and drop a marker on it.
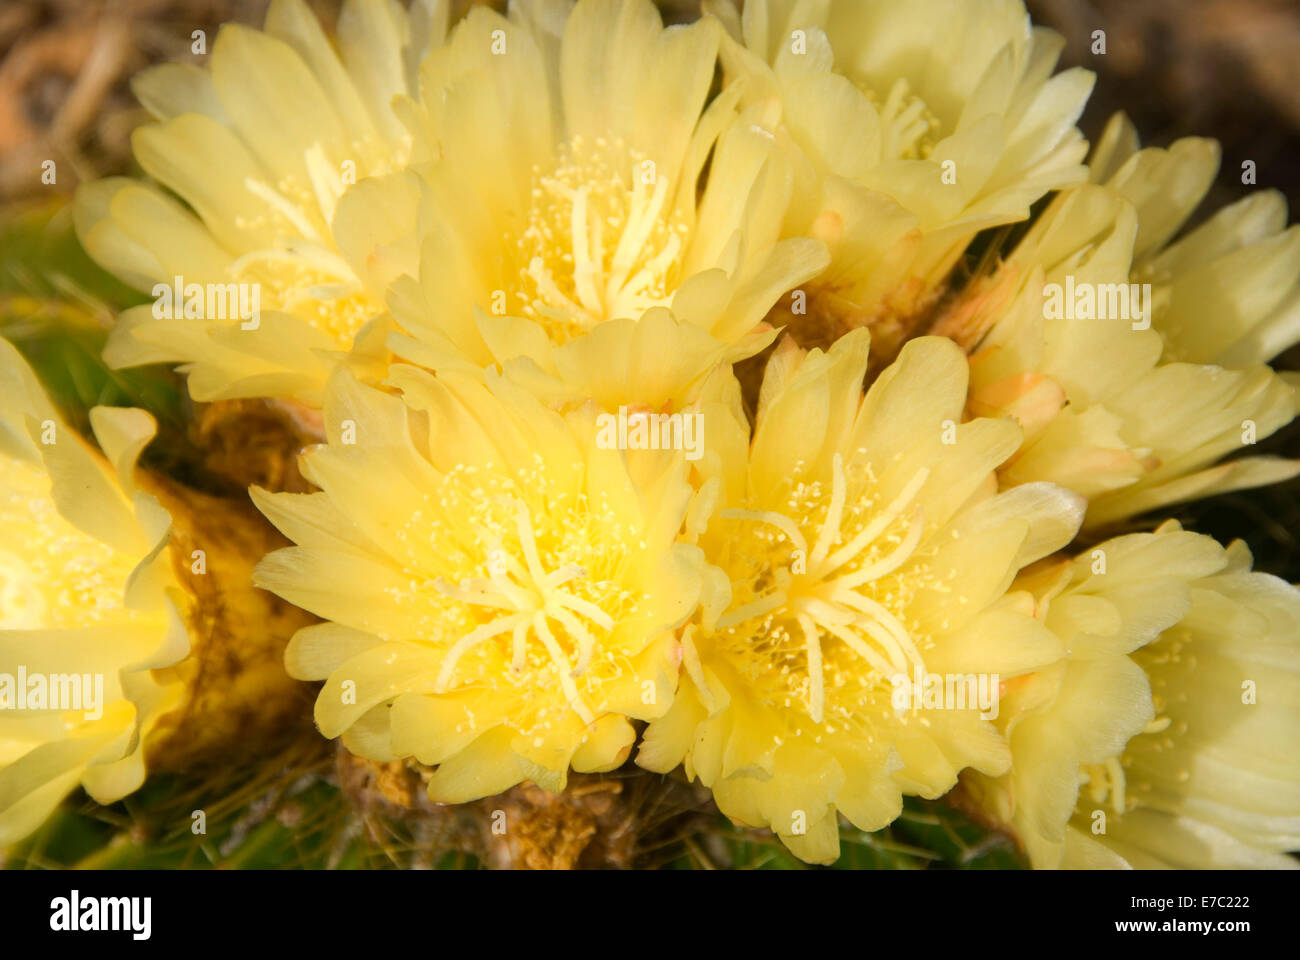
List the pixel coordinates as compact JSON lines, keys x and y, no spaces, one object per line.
{"x":61,"y":577}
{"x":1122,"y":780}
{"x":909,"y":130}
{"x":600,"y":241}
{"x":835,"y":600}
{"x":22,"y":607}
{"x":532,"y":598}
{"x":1107,"y":782}
{"x":303,"y":272}
{"x":520,"y":579}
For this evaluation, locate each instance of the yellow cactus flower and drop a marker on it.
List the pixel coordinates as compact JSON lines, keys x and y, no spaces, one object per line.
{"x":262,"y":276}
{"x":89,"y":606}
{"x":1071,"y":338}
{"x":566,"y":152}
{"x":1166,"y":736}
{"x":508,"y":601}
{"x":957,"y":126}
{"x":859,"y":546}
{"x":1226,"y":292}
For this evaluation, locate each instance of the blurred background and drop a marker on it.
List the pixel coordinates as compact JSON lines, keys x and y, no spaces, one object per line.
{"x":1221,"y":68}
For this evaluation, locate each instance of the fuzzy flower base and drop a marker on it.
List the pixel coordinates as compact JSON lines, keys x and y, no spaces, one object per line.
{"x":594,"y":823}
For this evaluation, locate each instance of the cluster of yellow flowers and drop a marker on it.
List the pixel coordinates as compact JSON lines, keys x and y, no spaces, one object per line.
{"x":479,"y":244}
